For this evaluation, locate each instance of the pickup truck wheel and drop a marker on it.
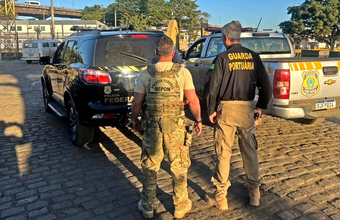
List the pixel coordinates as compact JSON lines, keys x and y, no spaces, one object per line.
{"x":311,"y":121}
{"x":46,"y":97}
{"x":28,"y":61}
{"x":80,"y":134}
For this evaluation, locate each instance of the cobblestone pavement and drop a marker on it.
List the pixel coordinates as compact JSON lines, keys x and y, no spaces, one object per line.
{"x":44,"y":177}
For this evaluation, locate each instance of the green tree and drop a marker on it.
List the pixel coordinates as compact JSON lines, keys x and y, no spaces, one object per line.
{"x":157,"y":11}
{"x":95,"y":12}
{"x":318,"y":19}
{"x":185,"y":12}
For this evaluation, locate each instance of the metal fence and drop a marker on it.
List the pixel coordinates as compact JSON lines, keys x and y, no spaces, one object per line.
{"x":15,"y":42}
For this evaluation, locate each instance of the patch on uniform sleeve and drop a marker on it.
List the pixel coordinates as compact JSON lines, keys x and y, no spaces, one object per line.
{"x":212,"y":66}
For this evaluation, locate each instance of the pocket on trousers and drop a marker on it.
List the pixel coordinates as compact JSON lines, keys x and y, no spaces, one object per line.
{"x":167,"y":125}
{"x":185,"y":157}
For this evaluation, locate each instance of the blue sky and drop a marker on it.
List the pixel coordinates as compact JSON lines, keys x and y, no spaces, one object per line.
{"x":248,"y":12}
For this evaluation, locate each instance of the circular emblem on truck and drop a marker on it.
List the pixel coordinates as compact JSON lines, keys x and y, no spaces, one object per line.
{"x":310,"y":85}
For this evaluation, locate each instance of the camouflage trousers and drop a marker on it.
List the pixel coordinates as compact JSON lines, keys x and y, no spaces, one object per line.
{"x":155,"y":147}
{"x":235,"y":117}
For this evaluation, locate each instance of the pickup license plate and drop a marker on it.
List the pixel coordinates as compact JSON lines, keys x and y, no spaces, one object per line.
{"x":325,"y":104}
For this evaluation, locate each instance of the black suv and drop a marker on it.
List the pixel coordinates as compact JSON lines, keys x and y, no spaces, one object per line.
{"x":92,"y":76}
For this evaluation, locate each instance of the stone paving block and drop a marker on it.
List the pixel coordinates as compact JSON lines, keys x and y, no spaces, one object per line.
{"x":82,"y":199}
{"x":103,"y":209}
{"x":296,"y":181}
{"x":89,"y":205}
{"x":318,"y":198}
{"x":335,"y":217}
{"x":83,"y":215}
{"x":37,"y":185}
{"x":52,"y":194}
{"x":27,"y":200}
{"x":37,"y":212}
{"x":297,"y":195}
{"x":11,"y":211}
{"x":305,"y":207}
{"x":288,"y":214}
{"x":70,"y":211}
{"x":47,"y":217}
{"x":18,"y":217}
{"x":25,"y":194}
{"x":62,"y":205}
{"x":317,"y":216}
{"x":5,"y":206}
{"x":336,"y":203}
{"x":13,"y":191}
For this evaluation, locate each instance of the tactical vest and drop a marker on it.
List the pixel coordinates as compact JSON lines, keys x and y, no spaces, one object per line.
{"x":163,"y":95}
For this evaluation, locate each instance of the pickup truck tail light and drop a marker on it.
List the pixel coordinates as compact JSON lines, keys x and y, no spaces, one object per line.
{"x":94,"y":76}
{"x":281,"y":84}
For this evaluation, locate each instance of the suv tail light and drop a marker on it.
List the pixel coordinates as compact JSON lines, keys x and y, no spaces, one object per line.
{"x":281,"y":84}
{"x":94,"y":76}
{"x":139,"y":36}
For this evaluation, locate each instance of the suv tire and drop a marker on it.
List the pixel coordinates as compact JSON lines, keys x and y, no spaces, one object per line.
{"x":46,"y":97}
{"x":80,"y":134}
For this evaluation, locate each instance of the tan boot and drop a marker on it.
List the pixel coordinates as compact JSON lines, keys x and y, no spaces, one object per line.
{"x":146,"y":210}
{"x":219,"y":201}
{"x":254,"y":195}
{"x":181,"y":210}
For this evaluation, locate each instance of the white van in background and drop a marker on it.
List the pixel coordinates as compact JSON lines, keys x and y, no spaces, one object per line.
{"x":32,"y":3}
{"x":34,"y":49}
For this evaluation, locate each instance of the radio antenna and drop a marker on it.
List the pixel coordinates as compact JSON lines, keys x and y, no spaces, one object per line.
{"x":257,"y":28}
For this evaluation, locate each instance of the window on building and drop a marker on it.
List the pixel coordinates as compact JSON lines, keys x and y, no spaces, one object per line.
{"x":42,"y":28}
{"x":36,"y":28}
{"x":19,"y":28}
{"x":12,"y":28}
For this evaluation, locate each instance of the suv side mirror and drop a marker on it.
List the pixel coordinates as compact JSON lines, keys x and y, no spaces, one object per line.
{"x":44,"y":60}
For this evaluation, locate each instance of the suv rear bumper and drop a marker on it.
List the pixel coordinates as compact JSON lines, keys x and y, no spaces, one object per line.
{"x":292,"y":113}
{"x":90,"y":114}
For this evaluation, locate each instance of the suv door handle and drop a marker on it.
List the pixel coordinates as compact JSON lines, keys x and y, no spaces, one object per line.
{"x":197,"y":64}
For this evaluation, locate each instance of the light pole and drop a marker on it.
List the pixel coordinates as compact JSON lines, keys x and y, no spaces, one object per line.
{"x":52,"y":18}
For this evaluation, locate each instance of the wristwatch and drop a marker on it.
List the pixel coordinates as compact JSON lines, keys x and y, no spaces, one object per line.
{"x":200,"y":121}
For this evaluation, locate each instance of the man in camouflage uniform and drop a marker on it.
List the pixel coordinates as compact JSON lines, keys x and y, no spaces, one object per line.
{"x":159,"y":97}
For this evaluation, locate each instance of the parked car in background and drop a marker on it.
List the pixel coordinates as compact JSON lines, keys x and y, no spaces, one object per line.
{"x":32,"y":50}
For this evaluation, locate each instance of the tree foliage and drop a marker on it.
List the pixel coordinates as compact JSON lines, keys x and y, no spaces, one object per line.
{"x":95,"y":12}
{"x":317,"y":19}
{"x":144,"y":14}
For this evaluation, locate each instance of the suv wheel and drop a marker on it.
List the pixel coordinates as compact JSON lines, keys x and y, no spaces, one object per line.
{"x":46,"y":97}
{"x":80,"y":134}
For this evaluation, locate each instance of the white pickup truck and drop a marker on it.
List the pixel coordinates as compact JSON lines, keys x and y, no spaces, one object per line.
{"x":307,"y":89}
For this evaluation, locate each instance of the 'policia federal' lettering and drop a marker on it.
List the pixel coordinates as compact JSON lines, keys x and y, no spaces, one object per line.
{"x":241,"y":65}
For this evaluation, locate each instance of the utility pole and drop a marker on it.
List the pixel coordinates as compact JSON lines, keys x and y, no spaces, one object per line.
{"x":52,"y":18}
{"x":7,"y":26}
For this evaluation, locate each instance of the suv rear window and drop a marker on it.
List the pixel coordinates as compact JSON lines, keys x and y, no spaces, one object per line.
{"x":126,"y":51}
